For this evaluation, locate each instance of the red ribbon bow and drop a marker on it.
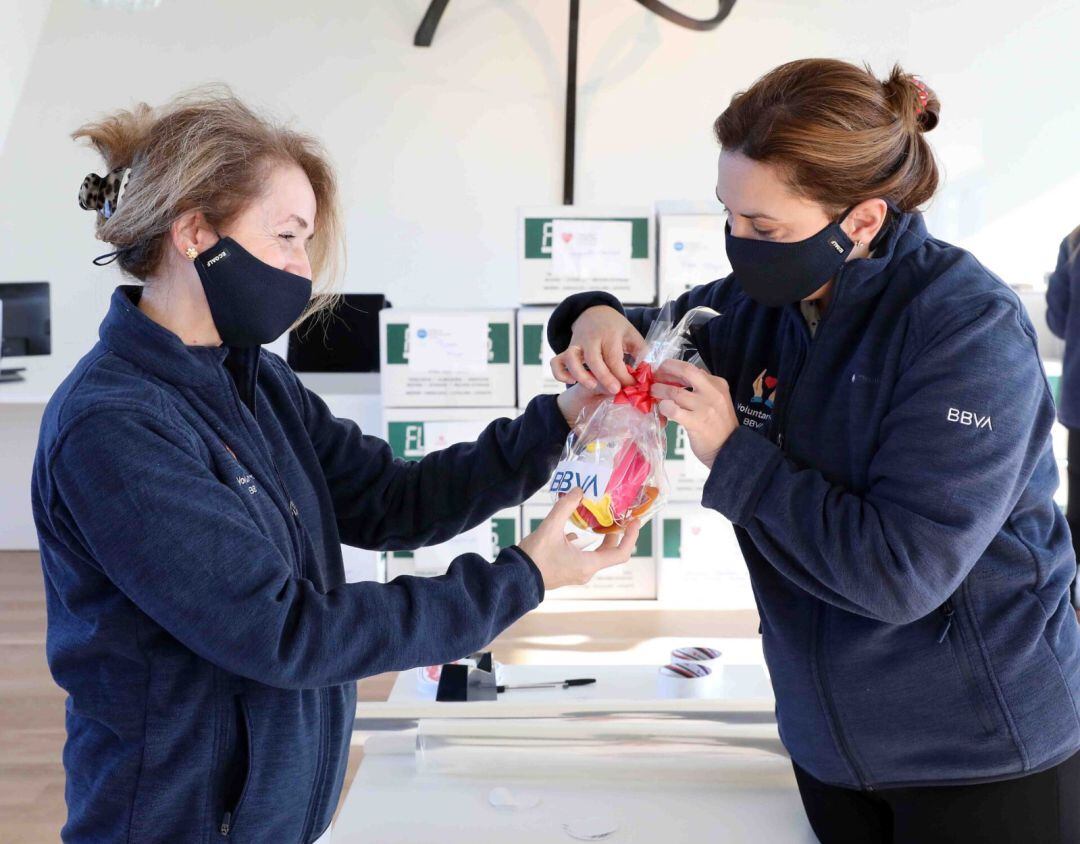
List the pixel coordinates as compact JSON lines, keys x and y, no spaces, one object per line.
{"x":639,"y":394}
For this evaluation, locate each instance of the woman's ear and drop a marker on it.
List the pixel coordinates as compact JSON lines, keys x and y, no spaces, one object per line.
{"x":865,"y":220}
{"x":190,"y":229}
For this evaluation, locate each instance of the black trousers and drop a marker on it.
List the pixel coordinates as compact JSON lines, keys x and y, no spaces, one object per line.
{"x":1072,"y":471}
{"x":1041,"y":808}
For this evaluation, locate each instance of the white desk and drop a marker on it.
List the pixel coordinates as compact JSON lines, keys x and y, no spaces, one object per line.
{"x":738,"y":798}
{"x":620,"y":752}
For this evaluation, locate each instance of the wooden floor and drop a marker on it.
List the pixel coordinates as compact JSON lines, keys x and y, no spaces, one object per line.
{"x":32,"y":706}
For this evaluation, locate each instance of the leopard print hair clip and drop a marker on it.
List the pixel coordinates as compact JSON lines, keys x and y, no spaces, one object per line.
{"x":104,"y":194}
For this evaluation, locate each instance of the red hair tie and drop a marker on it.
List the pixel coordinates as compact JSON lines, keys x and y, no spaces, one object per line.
{"x":924,"y":94}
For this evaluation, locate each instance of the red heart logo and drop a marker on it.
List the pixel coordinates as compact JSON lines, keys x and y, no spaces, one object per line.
{"x":695,"y":530}
{"x":567,"y":237}
{"x":770,"y":382}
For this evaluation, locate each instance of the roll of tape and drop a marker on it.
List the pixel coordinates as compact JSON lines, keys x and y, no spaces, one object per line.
{"x":699,"y":655}
{"x":686,"y":679}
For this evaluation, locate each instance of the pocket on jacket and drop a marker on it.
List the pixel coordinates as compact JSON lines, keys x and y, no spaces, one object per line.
{"x":955,"y":639}
{"x":237,"y":768}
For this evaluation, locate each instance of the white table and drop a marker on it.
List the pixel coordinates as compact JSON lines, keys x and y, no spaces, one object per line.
{"x":649,"y":791}
{"x":620,"y":751}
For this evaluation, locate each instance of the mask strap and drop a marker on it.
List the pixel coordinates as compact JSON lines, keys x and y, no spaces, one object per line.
{"x":843,"y":216}
{"x":109,"y":257}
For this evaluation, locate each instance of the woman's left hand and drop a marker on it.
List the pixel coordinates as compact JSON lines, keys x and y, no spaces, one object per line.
{"x":578,"y":398}
{"x":705,"y":409}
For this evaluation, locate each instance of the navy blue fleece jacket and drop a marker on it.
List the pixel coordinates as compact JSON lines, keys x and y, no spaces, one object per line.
{"x":191,"y":504}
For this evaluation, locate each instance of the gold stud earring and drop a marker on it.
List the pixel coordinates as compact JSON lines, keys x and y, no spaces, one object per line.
{"x":192,"y":253}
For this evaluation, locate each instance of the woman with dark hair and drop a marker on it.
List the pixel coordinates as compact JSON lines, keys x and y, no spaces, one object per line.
{"x":191,"y":497}
{"x":895,"y":503}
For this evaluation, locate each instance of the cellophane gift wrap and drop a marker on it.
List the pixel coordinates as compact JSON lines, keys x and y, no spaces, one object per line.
{"x":615,"y":452}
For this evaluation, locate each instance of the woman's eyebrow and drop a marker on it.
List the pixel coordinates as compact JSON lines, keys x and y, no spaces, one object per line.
{"x":300,"y":221}
{"x":752,"y":215}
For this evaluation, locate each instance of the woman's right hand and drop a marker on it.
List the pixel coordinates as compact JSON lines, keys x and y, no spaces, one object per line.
{"x":560,"y":563}
{"x":601,"y":338}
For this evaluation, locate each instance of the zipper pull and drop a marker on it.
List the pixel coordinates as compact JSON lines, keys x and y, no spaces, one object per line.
{"x":226,"y":824}
{"x":293,"y":508}
{"x":947,"y":609}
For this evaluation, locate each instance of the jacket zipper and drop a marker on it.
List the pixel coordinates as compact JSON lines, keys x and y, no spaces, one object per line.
{"x":226,"y":825}
{"x":819,"y":634}
{"x":320,"y":773}
{"x":293,"y":509}
{"x":320,"y":767}
{"x":782,"y":427}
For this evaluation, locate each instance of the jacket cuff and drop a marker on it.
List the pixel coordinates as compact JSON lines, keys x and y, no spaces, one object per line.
{"x":561,"y":324}
{"x":515,"y":550}
{"x":742,"y":469}
{"x":552,"y":422}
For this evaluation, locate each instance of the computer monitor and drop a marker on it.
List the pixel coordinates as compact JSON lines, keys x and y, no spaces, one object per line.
{"x":24,"y":312}
{"x":344,"y":340}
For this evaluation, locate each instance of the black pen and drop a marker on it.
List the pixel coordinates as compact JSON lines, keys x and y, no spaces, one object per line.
{"x":565,"y":684}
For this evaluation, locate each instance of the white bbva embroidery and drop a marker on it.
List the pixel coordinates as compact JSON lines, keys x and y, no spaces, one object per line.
{"x":966,"y":417}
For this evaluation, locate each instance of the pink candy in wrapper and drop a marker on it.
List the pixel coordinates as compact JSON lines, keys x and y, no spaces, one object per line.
{"x":616,"y":453}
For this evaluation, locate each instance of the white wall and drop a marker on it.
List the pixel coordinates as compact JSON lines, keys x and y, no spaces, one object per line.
{"x":436,"y":148}
{"x":22,"y":23}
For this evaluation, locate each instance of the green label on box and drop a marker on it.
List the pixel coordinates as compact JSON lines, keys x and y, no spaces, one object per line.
{"x":672,"y":538}
{"x":644,"y":541}
{"x":538,"y":236}
{"x":532,"y":342}
{"x":397,"y":342}
{"x":499,"y":342}
{"x":676,"y":441}
{"x":406,"y":439}
{"x":503,"y":533}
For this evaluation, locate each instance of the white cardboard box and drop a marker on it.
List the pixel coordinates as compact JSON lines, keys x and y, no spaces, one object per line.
{"x":486,"y":539}
{"x":692,"y":252}
{"x":634,"y":580}
{"x":447,"y":358}
{"x":534,"y":356}
{"x":414,"y":432}
{"x":685,"y":473}
{"x":362,"y":564}
{"x":570,"y":249}
{"x":700,"y":562}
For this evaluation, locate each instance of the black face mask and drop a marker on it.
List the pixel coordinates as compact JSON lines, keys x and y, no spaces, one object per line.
{"x":251,"y":302}
{"x":776,"y":274}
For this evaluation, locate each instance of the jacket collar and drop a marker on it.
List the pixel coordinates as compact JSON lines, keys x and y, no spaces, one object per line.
{"x":129,"y":333}
{"x":865,"y":278}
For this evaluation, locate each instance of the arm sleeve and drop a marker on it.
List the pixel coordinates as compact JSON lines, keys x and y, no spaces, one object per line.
{"x":385,"y":503}
{"x":133,"y":495}
{"x":1059,"y":287}
{"x":940,"y":486}
{"x":560,"y":326}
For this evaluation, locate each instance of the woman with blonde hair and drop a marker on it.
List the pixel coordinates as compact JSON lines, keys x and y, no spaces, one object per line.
{"x":191,"y":498}
{"x":894,"y":501}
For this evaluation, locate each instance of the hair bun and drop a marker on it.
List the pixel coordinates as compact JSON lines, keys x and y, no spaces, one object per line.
{"x":912,"y":100}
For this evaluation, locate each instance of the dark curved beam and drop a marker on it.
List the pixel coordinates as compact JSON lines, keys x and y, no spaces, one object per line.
{"x":425,"y":33}
{"x":723,"y":9}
